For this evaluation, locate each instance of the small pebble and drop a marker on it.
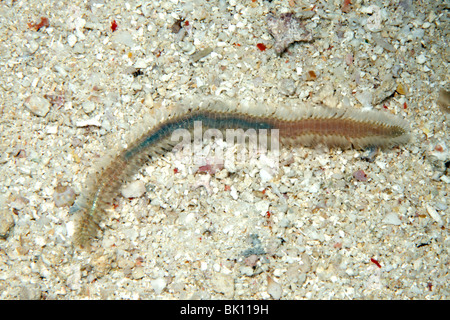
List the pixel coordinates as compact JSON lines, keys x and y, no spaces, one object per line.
{"x":383,"y":43}
{"x":38,"y":105}
{"x":274,"y":288}
{"x":246,"y":271}
{"x":6,"y":223}
{"x":79,"y":23}
{"x":365,"y":98}
{"x":72,"y":40}
{"x":19,"y":203}
{"x":384,"y":91}
{"x":418,"y":33}
{"x":284,"y":223}
{"x":396,"y":71}
{"x":88,"y":106}
{"x":374,"y":21}
{"x":33,"y":46}
{"x":337,"y":176}
{"x":201,"y":54}
{"x":346,"y":6}
{"x":311,"y":75}
{"x":187,"y":47}
{"x":265,"y":175}
{"x":287,"y":87}
{"x":441,"y":206}
{"x":360,"y":175}
{"x":233,"y":193}
{"x":434,"y":214}
{"x":392,"y":218}
{"x":123,"y":37}
{"x":158,"y":285}
{"x":140,"y":64}
{"x":138,"y":273}
{"x":370,"y":154}
{"x":133,"y":189}
{"x":223,"y":283}
{"x":401,"y":89}
{"x":176,"y":26}
{"x":444,"y":100}
{"x":251,"y":260}
{"x":52,"y":129}
{"x":90,"y":122}
{"x":286,"y":29}
{"x":148,"y":101}
{"x":348,"y":59}
{"x":63,"y":196}
{"x":31,"y":291}
{"x":421,"y":59}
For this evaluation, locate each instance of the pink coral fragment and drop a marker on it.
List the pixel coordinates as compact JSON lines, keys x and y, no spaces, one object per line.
{"x":360,"y":175}
{"x":287,"y":29}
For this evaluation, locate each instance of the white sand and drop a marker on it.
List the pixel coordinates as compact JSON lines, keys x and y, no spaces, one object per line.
{"x":68,"y":94}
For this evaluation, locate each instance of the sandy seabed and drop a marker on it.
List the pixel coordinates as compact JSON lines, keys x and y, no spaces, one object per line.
{"x":78,"y":76}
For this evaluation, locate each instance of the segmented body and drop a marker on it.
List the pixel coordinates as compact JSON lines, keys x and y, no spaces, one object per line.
{"x":299,"y":126}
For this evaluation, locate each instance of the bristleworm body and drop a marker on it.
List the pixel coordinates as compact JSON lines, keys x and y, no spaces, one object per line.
{"x":303,"y":126}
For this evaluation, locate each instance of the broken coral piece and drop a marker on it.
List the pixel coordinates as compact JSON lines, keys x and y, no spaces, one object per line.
{"x":287,"y":29}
